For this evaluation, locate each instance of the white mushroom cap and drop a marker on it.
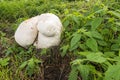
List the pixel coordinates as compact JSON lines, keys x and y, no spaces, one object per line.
{"x":49,"y":27}
{"x":26,"y":32}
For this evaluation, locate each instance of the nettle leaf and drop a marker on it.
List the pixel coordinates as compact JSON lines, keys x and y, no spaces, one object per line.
{"x":115,"y":13}
{"x":96,"y":57}
{"x":92,"y":44}
{"x":96,"y":22}
{"x":105,"y":31}
{"x":88,"y":22}
{"x":43,"y":51}
{"x":97,"y":35}
{"x":66,"y":23}
{"x":84,"y":71}
{"x":64,"y":50}
{"x":117,"y":58}
{"x":73,"y":74}
{"x":37,"y":61}
{"x":109,"y":54}
{"x":76,"y":19}
{"x":102,"y":43}
{"x":88,"y":34}
{"x":113,"y":73}
{"x":84,"y":53}
{"x":76,"y":62}
{"x":31,"y":63}
{"x":75,"y":40}
{"x":30,"y":67}
{"x":23,"y":65}
{"x":83,"y":46}
{"x":118,"y":40}
{"x":117,"y":23}
{"x":4,"y":61}
{"x":30,"y":71}
{"x":74,"y":47}
{"x":115,"y":47}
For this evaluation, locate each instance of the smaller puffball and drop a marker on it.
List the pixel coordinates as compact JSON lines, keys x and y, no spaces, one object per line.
{"x":26,"y":32}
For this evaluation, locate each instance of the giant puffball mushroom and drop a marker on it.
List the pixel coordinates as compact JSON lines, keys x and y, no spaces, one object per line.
{"x":26,"y":32}
{"x":49,"y":31}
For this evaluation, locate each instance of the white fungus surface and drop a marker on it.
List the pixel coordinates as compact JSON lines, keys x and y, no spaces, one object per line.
{"x":26,"y":32}
{"x":47,"y":26}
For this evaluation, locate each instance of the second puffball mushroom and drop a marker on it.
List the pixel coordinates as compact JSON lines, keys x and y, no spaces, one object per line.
{"x":49,"y":31}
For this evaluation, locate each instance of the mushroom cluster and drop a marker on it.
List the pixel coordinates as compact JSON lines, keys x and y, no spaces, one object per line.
{"x":43,"y":31}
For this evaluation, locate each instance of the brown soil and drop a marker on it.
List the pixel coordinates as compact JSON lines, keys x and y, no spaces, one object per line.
{"x":55,"y":67}
{"x":58,"y":70}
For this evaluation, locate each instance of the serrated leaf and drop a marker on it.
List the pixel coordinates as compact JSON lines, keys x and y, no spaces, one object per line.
{"x":117,"y":23}
{"x":73,"y":74}
{"x":109,"y":54}
{"x":4,"y":61}
{"x":96,"y":22}
{"x":66,"y":23}
{"x":92,"y":44}
{"x":113,"y":73}
{"x":74,"y":47}
{"x":64,"y":50}
{"x":31,"y":63}
{"x":88,"y":34}
{"x":43,"y":51}
{"x":117,"y":58}
{"x":76,"y":19}
{"x":23,"y":65}
{"x":76,"y":62}
{"x":115,"y":13}
{"x":84,"y":53}
{"x":30,"y":71}
{"x":105,"y":31}
{"x":115,"y":47}
{"x":88,"y":22}
{"x":37,"y":61}
{"x":97,"y":35}
{"x":83,"y":46}
{"x":75,"y":40}
{"x":102,"y":43}
{"x":96,"y":57}
{"x":84,"y":71}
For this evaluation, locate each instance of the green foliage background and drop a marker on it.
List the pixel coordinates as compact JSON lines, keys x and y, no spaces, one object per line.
{"x":91,"y":37}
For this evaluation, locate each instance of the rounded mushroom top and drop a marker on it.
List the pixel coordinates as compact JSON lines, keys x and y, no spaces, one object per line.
{"x":26,"y":32}
{"x":49,"y":24}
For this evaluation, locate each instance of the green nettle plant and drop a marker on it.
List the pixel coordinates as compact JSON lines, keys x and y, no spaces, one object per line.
{"x":90,"y":38}
{"x":31,"y":66}
{"x":95,"y":41}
